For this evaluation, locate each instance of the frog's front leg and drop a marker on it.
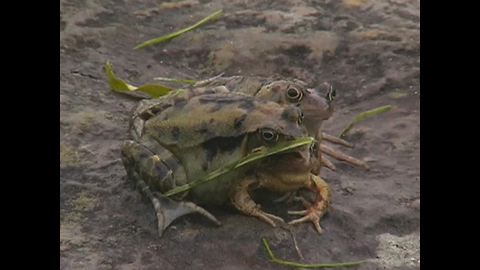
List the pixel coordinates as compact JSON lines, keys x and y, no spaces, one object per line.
{"x":322,"y":161}
{"x":151,"y":174}
{"x":316,"y":210}
{"x":245,"y":204}
{"x":336,"y":140}
{"x":324,"y":149}
{"x":341,"y":156}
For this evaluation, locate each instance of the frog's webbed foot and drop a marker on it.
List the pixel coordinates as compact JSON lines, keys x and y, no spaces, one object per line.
{"x":245,"y":204}
{"x":340,"y":156}
{"x":171,"y":210}
{"x":168,"y":210}
{"x":314,"y":211}
{"x":144,"y":167}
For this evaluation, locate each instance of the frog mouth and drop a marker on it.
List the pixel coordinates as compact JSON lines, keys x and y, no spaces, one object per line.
{"x":291,"y":162}
{"x":316,"y":114}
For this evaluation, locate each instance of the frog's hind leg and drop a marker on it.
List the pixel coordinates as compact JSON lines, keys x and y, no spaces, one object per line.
{"x":172,"y":210}
{"x":168,"y":210}
{"x":149,"y":171}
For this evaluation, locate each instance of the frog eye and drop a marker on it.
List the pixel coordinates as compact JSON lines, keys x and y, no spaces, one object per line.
{"x":294,"y":94}
{"x":269,"y":135}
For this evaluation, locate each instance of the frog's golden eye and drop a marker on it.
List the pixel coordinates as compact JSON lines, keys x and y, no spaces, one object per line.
{"x":294,"y":94}
{"x":269,"y":135}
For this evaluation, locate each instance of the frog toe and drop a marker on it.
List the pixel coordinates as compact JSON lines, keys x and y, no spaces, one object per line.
{"x":341,"y":156}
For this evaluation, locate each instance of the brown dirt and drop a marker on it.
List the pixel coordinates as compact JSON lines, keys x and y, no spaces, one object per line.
{"x":368,"y":49}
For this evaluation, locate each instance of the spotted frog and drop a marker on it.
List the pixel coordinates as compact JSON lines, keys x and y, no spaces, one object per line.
{"x":185,"y":135}
{"x":317,"y":104}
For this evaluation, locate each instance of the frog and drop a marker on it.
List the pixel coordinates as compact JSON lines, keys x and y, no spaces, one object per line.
{"x":317,"y":104}
{"x":185,"y":135}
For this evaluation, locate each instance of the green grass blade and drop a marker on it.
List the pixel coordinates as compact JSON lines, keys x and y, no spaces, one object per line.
{"x":363,"y":115}
{"x":302,"y":265}
{"x":174,"y":80}
{"x":235,"y":165}
{"x":275,"y":150}
{"x":115,"y":83}
{"x":154,"y":90}
{"x":175,"y":34}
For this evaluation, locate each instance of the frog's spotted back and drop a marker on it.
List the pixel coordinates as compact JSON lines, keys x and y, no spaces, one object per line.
{"x":214,"y":115}
{"x":186,"y":135}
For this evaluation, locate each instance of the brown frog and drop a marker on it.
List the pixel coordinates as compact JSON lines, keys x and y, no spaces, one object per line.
{"x":317,"y":104}
{"x":186,"y":135}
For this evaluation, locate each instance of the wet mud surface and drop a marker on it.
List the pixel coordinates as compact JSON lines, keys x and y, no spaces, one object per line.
{"x":368,"y":49}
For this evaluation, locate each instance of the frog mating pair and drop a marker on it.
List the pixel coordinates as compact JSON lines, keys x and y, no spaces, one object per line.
{"x":185,"y":135}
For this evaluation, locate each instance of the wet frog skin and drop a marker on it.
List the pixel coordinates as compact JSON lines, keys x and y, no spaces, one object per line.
{"x":185,"y":135}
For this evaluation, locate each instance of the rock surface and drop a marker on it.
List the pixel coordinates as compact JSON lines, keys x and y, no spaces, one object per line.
{"x":368,"y":49}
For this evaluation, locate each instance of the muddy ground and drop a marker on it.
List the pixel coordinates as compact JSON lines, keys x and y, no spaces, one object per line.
{"x":368,"y":49}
